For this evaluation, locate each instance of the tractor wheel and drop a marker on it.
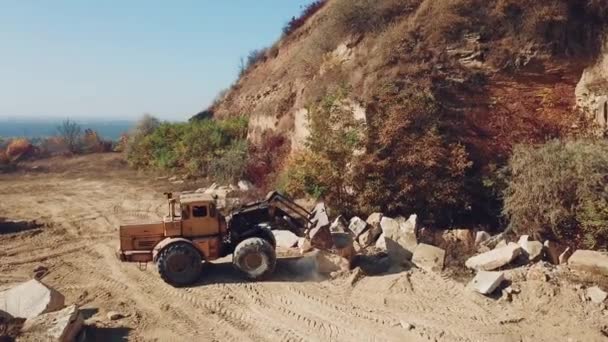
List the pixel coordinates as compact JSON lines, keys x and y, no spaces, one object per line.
{"x":180,"y":264}
{"x":255,"y":257}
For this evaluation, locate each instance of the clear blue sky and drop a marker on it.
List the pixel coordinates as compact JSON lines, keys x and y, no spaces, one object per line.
{"x":117,"y":59}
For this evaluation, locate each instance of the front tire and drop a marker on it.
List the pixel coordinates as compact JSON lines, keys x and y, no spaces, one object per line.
{"x":180,"y":264}
{"x":255,"y":257}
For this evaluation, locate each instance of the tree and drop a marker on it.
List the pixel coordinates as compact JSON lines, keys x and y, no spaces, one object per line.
{"x":70,"y":132}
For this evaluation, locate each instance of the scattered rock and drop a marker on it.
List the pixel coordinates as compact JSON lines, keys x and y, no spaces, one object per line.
{"x":406,"y":325}
{"x":285,"y":238}
{"x":339,"y":225}
{"x":245,"y":185}
{"x":320,"y":217}
{"x":506,"y":296}
{"x":373,"y":264}
{"x":590,"y":261}
{"x":495,"y":258}
{"x":5,"y":315}
{"x":409,"y":226}
{"x":553,"y":250}
{"x":367,"y":238}
{"x":398,"y":238}
{"x":40,"y":271}
{"x":358,"y":248}
{"x":604,"y":330}
{"x":486,"y":282}
{"x":596,"y":295}
{"x":375,"y":230}
{"x":40,"y":268}
{"x":173,"y":178}
{"x":501,"y":244}
{"x":343,"y":245}
{"x":30,"y":299}
{"x":512,"y":290}
{"x":327,"y":262}
{"x":429,"y":258}
{"x":10,"y":328}
{"x":304,"y":245}
{"x":481,"y":237}
{"x":563,"y":258}
{"x":537,"y":273}
{"x":357,"y":226}
{"x":533,"y":250}
{"x":356,"y":275}
{"x":113,"y":315}
{"x":60,"y":326}
{"x":320,"y":236}
{"x":374,"y":220}
{"x":178,"y":182}
{"x":523,"y":239}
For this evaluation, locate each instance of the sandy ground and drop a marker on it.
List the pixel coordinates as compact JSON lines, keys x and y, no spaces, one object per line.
{"x":83,"y":201}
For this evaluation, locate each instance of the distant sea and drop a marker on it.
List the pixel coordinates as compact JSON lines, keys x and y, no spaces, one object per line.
{"x":12,"y":128}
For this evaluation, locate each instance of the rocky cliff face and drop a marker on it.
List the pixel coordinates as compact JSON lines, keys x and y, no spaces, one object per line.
{"x":506,"y":71}
{"x":592,"y":92}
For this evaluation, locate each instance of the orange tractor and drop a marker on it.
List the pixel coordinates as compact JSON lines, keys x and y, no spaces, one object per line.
{"x":195,"y":231}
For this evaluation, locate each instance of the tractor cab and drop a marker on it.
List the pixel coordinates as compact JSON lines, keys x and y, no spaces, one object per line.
{"x":196,"y":215}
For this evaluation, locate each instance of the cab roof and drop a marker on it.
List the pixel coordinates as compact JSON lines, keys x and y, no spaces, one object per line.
{"x":192,"y":197}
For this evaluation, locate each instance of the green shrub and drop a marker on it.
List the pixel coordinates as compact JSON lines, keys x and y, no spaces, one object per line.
{"x":229,"y":165}
{"x":560,"y":190}
{"x":201,"y":147}
{"x":306,"y":173}
{"x":326,"y":168}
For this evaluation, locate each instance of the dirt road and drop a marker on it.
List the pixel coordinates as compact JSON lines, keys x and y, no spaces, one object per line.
{"x":84,"y":200}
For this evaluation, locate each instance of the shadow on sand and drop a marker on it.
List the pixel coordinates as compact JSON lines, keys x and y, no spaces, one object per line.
{"x":292,"y":269}
{"x":101,"y":334}
{"x":9,"y":227}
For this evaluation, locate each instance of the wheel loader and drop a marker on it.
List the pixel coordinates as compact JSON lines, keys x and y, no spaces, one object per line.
{"x":195,"y":231}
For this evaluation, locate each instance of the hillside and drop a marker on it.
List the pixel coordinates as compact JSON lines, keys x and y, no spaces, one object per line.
{"x":450,"y":77}
{"x":475,"y":56}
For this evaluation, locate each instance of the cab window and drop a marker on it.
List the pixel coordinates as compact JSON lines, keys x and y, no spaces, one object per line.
{"x":212,"y":210}
{"x":199,"y":211}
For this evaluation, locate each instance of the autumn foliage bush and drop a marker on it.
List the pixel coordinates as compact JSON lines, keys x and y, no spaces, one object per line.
{"x":19,"y":148}
{"x":266,"y":159}
{"x":559,"y":190}
{"x":3,"y":158}
{"x":413,"y":165}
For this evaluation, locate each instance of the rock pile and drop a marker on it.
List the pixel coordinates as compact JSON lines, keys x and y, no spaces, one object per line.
{"x":382,"y":242}
{"x":42,"y":307}
{"x":528,"y":251}
{"x":395,"y":237}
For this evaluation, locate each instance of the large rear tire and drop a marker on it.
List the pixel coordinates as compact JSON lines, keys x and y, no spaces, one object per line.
{"x":255,"y":257}
{"x":180,"y":264}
